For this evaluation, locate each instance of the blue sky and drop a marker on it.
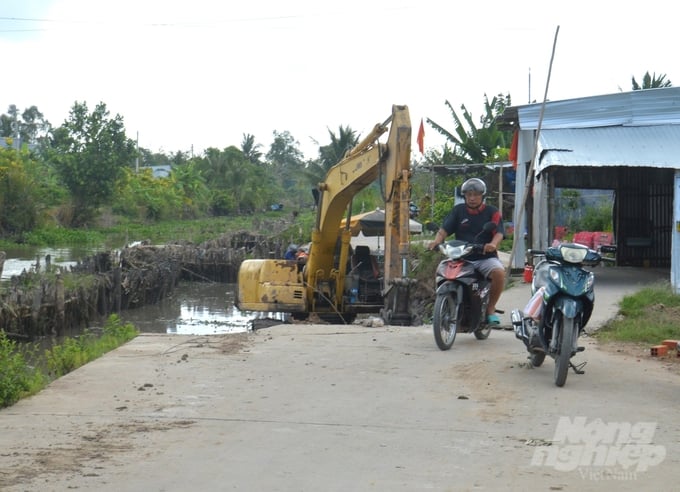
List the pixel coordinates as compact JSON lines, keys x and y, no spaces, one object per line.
{"x":192,"y":75}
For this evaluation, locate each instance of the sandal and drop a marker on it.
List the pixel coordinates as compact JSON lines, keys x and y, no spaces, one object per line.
{"x":493,"y":319}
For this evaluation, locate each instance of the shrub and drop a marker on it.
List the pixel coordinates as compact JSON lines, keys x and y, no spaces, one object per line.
{"x":76,"y":352}
{"x":17,"y":378}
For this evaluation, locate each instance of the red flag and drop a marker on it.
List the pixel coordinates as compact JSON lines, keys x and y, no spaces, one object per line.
{"x":421,"y":137}
{"x":513,"y":149}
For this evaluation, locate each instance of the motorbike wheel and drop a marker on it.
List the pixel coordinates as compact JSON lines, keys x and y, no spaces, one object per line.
{"x":566,"y":329}
{"x":447,"y":313}
{"x":482,"y":333}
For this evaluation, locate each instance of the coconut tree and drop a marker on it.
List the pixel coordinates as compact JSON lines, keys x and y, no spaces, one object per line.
{"x":331,"y":153}
{"x":250,"y":149}
{"x":651,"y":82}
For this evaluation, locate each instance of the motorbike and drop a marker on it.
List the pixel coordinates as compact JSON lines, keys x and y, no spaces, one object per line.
{"x":462,"y":293}
{"x":562,"y":302}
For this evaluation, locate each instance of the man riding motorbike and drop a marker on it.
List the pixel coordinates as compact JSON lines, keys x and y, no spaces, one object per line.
{"x":467,"y":220}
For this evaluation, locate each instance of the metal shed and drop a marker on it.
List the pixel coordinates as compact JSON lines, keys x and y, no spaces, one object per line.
{"x":626,"y":142}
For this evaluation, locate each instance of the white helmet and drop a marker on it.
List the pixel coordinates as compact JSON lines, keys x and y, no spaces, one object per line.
{"x":473,"y":184}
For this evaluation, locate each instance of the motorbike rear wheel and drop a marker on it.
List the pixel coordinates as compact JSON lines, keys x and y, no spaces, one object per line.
{"x":567,"y":328}
{"x":482,"y":333}
{"x":447,"y":314}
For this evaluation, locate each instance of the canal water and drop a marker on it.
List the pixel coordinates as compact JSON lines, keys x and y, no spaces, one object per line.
{"x":18,"y":260}
{"x":197,"y":308}
{"x":194,"y":308}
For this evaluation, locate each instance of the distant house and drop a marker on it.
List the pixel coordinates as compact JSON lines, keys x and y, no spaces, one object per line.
{"x":627,"y":142}
{"x":14,"y":143}
{"x":161,"y":171}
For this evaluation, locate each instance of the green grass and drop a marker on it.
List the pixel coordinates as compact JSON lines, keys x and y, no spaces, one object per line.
{"x":19,"y":379}
{"x":296,"y":229}
{"x":78,"y":351}
{"x":649,"y":316}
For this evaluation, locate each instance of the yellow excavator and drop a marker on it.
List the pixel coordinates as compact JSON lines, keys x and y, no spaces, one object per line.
{"x":336,"y":283}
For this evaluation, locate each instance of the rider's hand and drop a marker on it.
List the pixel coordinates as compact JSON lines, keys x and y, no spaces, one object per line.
{"x":490,"y":248}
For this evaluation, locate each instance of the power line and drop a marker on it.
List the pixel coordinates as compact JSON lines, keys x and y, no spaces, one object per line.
{"x":200,"y":23}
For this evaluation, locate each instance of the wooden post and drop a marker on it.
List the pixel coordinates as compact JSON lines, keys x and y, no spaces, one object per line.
{"x":117,"y":291}
{"x":500,"y":191}
{"x":60,"y":304}
{"x":35,"y":308}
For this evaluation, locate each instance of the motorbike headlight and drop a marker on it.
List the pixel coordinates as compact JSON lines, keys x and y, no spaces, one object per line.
{"x":455,"y":252}
{"x":573,"y":254}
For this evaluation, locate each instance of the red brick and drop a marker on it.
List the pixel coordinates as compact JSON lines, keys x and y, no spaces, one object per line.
{"x":659,"y":350}
{"x":671,"y":344}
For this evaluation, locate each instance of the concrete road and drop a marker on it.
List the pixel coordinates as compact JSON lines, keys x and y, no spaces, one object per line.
{"x":338,"y":408}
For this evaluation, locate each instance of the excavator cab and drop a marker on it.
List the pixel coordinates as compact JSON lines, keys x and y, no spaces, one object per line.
{"x":366,"y":276}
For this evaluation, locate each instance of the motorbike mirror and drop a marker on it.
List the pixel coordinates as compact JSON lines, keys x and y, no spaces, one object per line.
{"x":486,"y":232}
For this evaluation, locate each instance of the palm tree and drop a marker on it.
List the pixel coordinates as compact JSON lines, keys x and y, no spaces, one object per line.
{"x":250,"y":149}
{"x":237,"y":184}
{"x":190,"y":183}
{"x":332,"y":153}
{"x":651,"y":82}
{"x":340,"y":144}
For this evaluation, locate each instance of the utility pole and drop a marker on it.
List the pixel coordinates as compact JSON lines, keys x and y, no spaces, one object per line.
{"x":500,"y":190}
{"x":432,"y":192}
{"x":137,"y":158}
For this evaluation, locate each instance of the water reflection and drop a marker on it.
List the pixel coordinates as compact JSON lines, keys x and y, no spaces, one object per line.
{"x":195,"y":308}
{"x":26,"y":258}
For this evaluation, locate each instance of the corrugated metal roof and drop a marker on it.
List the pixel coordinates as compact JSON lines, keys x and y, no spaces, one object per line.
{"x":635,"y":108}
{"x":637,"y":128}
{"x":642,"y":146}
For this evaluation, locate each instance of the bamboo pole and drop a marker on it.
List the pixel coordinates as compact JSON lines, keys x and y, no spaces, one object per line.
{"x":530,"y":175}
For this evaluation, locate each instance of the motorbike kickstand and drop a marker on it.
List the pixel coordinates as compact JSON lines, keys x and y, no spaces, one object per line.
{"x":579,"y":368}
